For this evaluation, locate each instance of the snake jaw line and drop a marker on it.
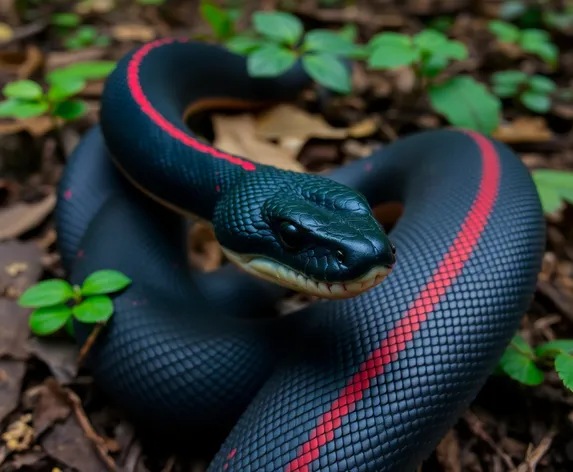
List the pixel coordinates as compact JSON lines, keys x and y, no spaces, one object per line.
{"x":277,"y":273}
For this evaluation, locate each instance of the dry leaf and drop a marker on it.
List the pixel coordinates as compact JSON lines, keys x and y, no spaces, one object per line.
{"x":133,"y":32}
{"x":21,"y":217}
{"x":524,"y":130}
{"x":238,"y":135}
{"x":6,"y":32}
{"x":86,"y":7}
{"x":22,"y":63}
{"x":204,"y":249}
{"x":58,"y":59}
{"x":448,"y":453}
{"x":37,"y":126}
{"x":288,"y":120}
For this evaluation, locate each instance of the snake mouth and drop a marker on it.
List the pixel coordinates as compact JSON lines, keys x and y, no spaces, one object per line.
{"x":277,"y":273}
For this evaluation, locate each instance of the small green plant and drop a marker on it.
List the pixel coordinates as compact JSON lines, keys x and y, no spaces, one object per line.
{"x":523,"y":363}
{"x":65,"y":21}
{"x":533,"y":92}
{"x":56,"y":302}
{"x":151,"y":2}
{"x":461,"y":99}
{"x":86,"y":36}
{"x":531,"y":40}
{"x":278,"y":40}
{"x":27,"y":98}
{"x":555,"y":187}
{"x":221,"y":20}
{"x":540,"y":14}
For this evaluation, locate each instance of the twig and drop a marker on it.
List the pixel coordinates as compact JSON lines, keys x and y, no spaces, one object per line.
{"x":89,"y":342}
{"x":476,"y":427}
{"x":99,"y":442}
{"x":534,"y":455}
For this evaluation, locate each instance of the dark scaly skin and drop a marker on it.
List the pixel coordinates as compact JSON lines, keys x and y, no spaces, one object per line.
{"x":369,"y":383}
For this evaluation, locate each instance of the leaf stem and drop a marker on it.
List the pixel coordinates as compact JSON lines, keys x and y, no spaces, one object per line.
{"x":89,"y":342}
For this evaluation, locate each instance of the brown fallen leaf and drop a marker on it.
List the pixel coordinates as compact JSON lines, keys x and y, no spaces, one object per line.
{"x":237,"y":135}
{"x":59,"y":355}
{"x":448,"y":452}
{"x":51,"y":406}
{"x":24,"y":255}
{"x":11,"y":377}
{"x":133,"y":32}
{"x":67,"y":443}
{"x":57,"y":59}
{"x":524,"y":130}
{"x":204,"y":250}
{"x":37,"y":126}
{"x":21,"y":217}
{"x":22,"y":63}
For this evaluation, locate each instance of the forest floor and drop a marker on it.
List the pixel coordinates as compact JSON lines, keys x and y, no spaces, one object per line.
{"x":51,"y":416}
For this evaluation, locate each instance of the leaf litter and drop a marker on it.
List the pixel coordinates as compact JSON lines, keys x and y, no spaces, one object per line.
{"x":49,"y":421}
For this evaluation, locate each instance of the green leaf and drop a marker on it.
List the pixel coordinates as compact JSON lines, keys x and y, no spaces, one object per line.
{"x":564,"y":368}
{"x":553,"y":187}
{"x":349,"y":32}
{"x":467,"y":104}
{"x":270,"y":61}
{"x":327,"y":41}
{"x":545,"y":50}
{"x":533,"y":35}
{"x":64,"y":87}
{"x":96,"y":309}
{"x":542,"y":84}
{"x":552,"y":348}
{"x":70,"y":326}
{"x":509,"y":78}
{"x":23,"y":89}
{"x":390,"y":39}
{"x":87,"y":70}
{"x":280,"y":26}
{"x":392,"y":54}
{"x":47,"y":293}
{"x":328,"y":70}
{"x":87,"y":34}
{"x":48,"y":320}
{"x":451,"y":50}
{"x":505,"y":32}
{"x":8,"y":108}
{"x":433,"y":65}
{"x":244,"y":44}
{"x":66,"y":20}
{"x":430,"y":40}
{"x":504,"y":91}
{"x":71,"y":109}
{"x":104,"y":281}
{"x":537,"y":102}
{"x":516,"y":363}
{"x":217,"y":18}
{"x":30,"y":109}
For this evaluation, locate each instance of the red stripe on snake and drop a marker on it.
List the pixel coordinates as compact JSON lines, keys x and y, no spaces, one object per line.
{"x":136,"y":90}
{"x":425,"y":303}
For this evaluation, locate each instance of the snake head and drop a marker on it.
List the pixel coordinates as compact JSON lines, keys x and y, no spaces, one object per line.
{"x":304,"y":232}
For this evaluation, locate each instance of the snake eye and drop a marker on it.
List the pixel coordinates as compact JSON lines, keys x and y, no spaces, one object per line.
{"x":339,"y":256}
{"x":290,"y":234}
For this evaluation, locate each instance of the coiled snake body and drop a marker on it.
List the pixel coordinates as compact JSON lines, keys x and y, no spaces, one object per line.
{"x":361,"y":383}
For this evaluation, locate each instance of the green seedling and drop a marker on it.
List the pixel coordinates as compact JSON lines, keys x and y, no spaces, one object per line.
{"x":56,"y":302}
{"x":533,"y":92}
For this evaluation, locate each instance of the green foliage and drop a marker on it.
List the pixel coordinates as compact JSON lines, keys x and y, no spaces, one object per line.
{"x":531,"y":40}
{"x":461,"y":100}
{"x":66,"y":20}
{"x":278,"y":40}
{"x":533,"y":92}
{"x":526,"y":365}
{"x":466,"y":103}
{"x":222,"y":21}
{"x":554,"y":187}
{"x":56,"y":302}
{"x":86,"y":36}
{"x":26,"y":98}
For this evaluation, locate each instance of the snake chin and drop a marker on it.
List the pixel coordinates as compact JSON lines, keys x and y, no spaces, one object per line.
{"x":275,"y":272}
